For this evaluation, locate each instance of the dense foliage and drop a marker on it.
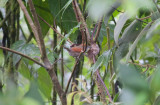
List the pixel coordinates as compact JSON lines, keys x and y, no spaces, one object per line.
{"x":81,"y":52}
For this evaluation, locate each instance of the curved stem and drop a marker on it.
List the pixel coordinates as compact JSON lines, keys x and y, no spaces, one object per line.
{"x":10,"y":50}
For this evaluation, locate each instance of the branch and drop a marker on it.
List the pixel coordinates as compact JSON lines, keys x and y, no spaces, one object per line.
{"x":151,"y":66}
{"x":83,"y":21}
{"x":54,"y":29}
{"x":74,"y":68}
{"x":41,"y":45}
{"x":113,"y":19}
{"x":38,"y":34}
{"x":78,"y":19}
{"x":75,"y":11}
{"x":98,"y":30}
{"x":93,"y":32}
{"x":98,"y":75}
{"x":30,"y":22}
{"x":10,"y":50}
{"x":110,"y":63}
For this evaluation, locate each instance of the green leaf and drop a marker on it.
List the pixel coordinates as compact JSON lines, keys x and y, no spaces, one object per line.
{"x":69,"y":97}
{"x":67,"y":20}
{"x":132,"y":79}
{"x":34,"y":93}
{"x":120,"y":53}
{"x":24,"y":70}
{"x":107,"y":56}
{"x":97,"y":64}
{"x":77,"y":97}
{"x":2,"y":58}
{"x":66,"y":6}
{"x":27,"y":100}
{"x":143,"y":32}
{"x":153,"y":27}
{"x":120,"y":23}
{"x":155,"y":15}
{"x":72,"y":31}
{"x":155,"y":86}
{"x":51,"y":57}
{"x":44,"y":82}
{"x":42,"y":9}
{"x":103,"y":59}
{"x":110,"y":12}
{"x":132,"y":6}
{"x":131,"y":32}
{"x":96,"y":8}
{"x":27,"y":49}
{"x":103,"y":34}
{"x":129,"y":97}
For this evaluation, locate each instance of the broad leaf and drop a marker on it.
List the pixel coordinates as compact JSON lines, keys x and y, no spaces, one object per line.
{"x":65,"y":20}
{"x":155,"y":15}
{"x":72,"y":31}
{"x":103,"y":33}
{"x":153,"y":27}
{"x":132,"y":79}
{"x":132,"y":6}
{"x":143,"y":32}
{"x":24,"y":70}
{"x":69,"y":97}
{"x":45,"y":82}
{"x":129,"y":35}
{"x":122,"y":20}
{"x":103,"y":59}
{"x":77,"y":97}
{"x":155,"y":86}
{"x":131,"y":32}
{"x":2,"y":58}
{"x":27,"y":49}
{"x":34,"y":93}
{"x":42,"y":9}
{"x":110,"y":11}
{"x":96,"y":8}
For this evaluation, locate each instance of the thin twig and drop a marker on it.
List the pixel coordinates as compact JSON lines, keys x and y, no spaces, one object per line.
{"x":29,"y":21}
{"x":98,"y":31}
{"x":83,"y":21}
{"x":110,"y":63}
{"x":94,"y":31}
{"x":75,"y":11}
{"x":54,"y":29}
{"x":10,"y":50}
{"x":114,"y":20}
{"x":78,"y":19}
{"x":39,"y":33}
{"x":97,"y":73}
{"x":74,"y":68}
{"x":146,"y":69}
{"x":151,"y":66}
{"x":156,"y":6}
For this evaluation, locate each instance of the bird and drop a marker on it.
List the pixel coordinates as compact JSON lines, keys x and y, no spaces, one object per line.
{"x":75,"y":49}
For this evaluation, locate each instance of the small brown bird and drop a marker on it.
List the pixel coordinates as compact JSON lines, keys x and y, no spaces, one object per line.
{"x":75,"y":50}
